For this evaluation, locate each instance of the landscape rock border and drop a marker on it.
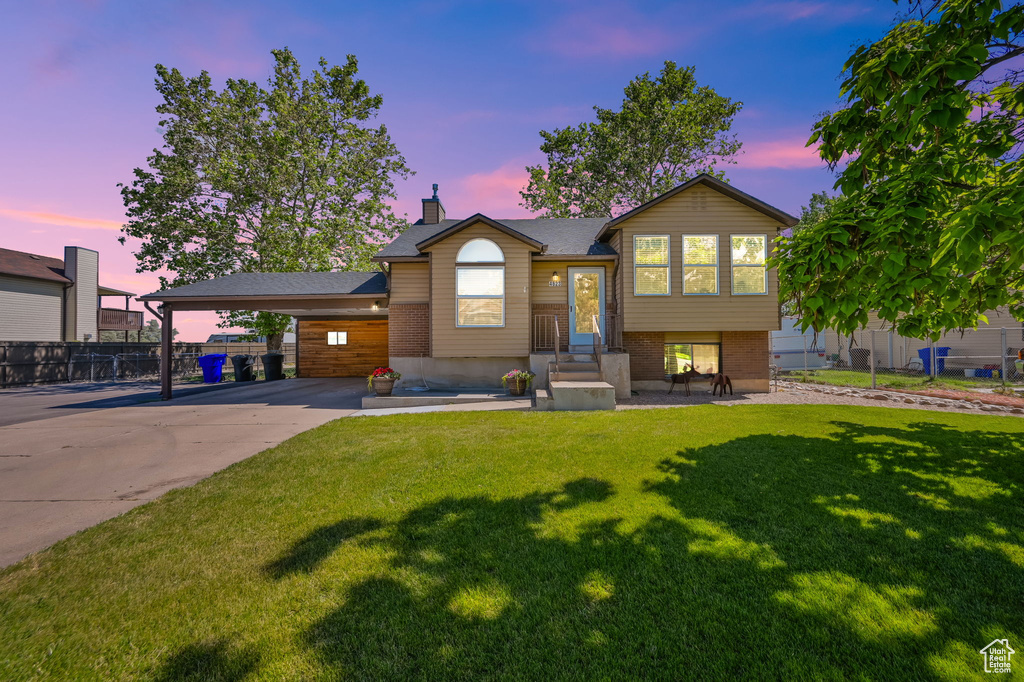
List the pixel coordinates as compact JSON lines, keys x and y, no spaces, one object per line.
{"x":898,"y":397}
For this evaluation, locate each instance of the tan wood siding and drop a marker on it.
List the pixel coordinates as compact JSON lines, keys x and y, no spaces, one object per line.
{"x":542,"y":271}
{"x":30,"y":309}
{"x":410,"y":283}
{"x":367,"y":348}
{"x":697,"y":211}
{"x":450,"y":341}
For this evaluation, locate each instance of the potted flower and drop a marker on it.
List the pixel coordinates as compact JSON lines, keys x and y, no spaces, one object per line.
{"x":382,"y":381}
{"x":517,"y":381}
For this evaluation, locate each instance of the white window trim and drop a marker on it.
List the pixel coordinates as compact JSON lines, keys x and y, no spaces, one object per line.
{"x":764,"y":267}
{"x":667,"y":265}
{"x":458,"y":297}
{"x":716,"y":266}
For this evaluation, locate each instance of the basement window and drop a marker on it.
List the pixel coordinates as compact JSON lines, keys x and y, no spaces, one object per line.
{"x":337,"y":338}
{"x":706,"y":358}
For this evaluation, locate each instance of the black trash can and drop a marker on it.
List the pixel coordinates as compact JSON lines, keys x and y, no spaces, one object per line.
{"x":860,"y":358}
{"x":273,"y":366}
{"x":243,"y":367}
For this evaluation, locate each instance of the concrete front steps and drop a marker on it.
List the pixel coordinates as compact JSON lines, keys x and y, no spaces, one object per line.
{"x":575,"y":385}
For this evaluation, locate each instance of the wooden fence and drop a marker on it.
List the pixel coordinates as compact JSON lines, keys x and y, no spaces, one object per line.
{"x":24,"y":363}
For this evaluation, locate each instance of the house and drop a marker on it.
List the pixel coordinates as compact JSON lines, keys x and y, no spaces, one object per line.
{"x":49,"y":299}
{"x":289,"y":337}
{"x":458,"y":302}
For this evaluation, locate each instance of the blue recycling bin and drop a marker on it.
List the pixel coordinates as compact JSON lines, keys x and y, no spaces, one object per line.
{"x":213,"y":367}
{"x":926,"y":357}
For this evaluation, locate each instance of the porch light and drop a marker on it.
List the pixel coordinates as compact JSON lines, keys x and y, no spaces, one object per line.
{"x":376,"y":306}
{"x":555,"y":277}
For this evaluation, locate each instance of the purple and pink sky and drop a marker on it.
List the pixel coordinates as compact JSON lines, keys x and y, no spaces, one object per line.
{"x":467,"y":85}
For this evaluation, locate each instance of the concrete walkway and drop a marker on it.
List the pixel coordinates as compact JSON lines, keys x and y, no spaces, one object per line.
{"x":70,"y":469}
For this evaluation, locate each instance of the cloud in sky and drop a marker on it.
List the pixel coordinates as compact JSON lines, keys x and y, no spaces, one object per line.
{"x":48,"y":218}
{"x":789,"y":11}
{"x":790,"y":153}
{"x":609,"y":30}
{"x":494,"y":193}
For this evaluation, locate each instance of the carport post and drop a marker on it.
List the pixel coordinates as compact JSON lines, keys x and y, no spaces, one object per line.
{"x":166,"y":327}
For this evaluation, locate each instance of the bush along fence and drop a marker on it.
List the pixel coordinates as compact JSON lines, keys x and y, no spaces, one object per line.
{"x":986,"y":357}
{"x":25,"y":363}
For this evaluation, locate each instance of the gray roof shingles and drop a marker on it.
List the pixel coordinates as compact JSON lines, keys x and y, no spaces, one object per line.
{"x":563,"y":236}
{"x":280,"y":284}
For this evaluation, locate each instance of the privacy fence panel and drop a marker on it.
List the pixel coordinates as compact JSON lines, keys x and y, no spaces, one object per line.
{"x":24,"y":363}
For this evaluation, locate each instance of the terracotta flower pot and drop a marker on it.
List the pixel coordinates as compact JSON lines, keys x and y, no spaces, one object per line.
{"x":383,"y":386}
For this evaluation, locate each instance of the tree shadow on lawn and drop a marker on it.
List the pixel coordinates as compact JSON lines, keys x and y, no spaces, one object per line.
{"x":871,"y":552}
{"x":216,"y":660}
{"x":306,"y":554}
{"x":867,"y":552}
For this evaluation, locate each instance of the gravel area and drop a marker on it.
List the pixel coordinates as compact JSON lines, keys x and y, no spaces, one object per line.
{"x":800,"y":394}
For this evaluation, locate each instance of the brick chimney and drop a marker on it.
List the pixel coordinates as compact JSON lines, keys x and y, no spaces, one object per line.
{"x":433,"y":209}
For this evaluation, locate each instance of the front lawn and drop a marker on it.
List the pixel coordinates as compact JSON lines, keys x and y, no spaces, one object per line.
{"x":760,"y":542}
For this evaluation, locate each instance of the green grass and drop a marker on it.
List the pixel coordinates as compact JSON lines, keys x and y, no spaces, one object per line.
{"x":758,"y":542}
{"x":862,"y":379}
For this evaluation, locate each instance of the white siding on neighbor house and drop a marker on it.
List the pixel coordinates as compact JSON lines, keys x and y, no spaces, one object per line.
{"x":30,"y":309}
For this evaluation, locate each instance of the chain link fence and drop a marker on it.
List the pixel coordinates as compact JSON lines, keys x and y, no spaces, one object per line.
{"x":981,"y":358}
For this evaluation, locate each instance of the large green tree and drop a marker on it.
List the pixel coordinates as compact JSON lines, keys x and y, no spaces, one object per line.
{"x":288,"y":177}
{"x":928,"y":230}
{"x":668,"y":130}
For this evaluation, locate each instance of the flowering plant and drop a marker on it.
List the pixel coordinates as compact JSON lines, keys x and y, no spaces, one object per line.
{"x":518,"y":375}
{"x":382,"y":373}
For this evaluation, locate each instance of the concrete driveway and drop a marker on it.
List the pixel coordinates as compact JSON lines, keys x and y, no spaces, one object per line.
{"x":63,"y":469}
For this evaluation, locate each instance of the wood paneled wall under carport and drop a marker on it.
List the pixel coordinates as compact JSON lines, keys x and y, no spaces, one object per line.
{"x":367,"y":348}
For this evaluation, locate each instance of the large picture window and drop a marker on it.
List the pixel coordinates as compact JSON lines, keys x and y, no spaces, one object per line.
{"x":480,"y":289}
{"x":749,"y":274}
{"x":700,"y":264}
{"x":651,"y":271}
{"x":703,"y":357}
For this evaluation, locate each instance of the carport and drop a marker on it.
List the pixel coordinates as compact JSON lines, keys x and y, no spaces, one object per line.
{"x":342,"y":316}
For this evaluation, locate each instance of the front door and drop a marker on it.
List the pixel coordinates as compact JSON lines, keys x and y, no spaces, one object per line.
{"x":586,"y":299}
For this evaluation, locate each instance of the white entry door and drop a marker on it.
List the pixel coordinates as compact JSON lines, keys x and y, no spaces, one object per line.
{"x":586,"y":299}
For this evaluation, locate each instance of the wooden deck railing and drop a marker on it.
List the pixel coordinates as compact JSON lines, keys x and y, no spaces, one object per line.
{"x":115,"y":319}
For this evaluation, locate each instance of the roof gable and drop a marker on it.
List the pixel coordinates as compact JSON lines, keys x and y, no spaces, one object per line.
{"x":473,"y":220}
{"x":712,"y":183}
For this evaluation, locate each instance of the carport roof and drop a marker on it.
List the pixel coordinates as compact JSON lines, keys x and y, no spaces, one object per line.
{"x":272,"y":284}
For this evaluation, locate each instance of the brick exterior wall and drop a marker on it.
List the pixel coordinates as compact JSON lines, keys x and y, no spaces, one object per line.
{"x":745,"y":354}
{"x":409,"y":330}
{"x":646,"y":355}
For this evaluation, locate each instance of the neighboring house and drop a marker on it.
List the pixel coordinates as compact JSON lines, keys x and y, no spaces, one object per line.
{"x":793,"y":349}
{"x":49,"y":299}
{"x":680,"y":280}
{"x":289,"y":337}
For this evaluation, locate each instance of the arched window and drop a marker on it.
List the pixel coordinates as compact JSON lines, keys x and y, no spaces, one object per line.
{"x":480,"y":288}
{"x":480,"y":251}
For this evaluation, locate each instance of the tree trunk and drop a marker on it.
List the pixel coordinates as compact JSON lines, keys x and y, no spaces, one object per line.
{"x":275,"y":342}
